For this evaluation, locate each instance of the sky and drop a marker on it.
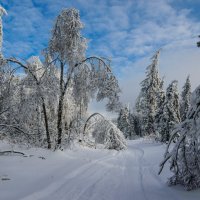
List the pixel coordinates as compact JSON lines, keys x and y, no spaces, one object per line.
{"x":128,"y":32}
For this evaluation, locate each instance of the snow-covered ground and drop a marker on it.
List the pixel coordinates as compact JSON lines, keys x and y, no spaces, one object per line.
{"x":85,"y":174}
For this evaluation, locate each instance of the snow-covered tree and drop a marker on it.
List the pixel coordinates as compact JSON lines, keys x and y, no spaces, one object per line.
{"x":124,"y":122}
{"x":169,"y":114}
{"x":161,"y":94}
{"x":6,"y":91}
{"x":32,"y":105}
{"x":184,"y":156}
{"x":108,"y":88}
{"x":159,"y":112}
{"x":185,"y":99}
{"x":68,"y":47}
{"x":81,"y":90}
{"x":150,"y":96}
{"x":136,"y":123}
{"x":134,"y":126}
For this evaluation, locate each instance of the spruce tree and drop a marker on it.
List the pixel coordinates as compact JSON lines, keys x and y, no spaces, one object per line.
{"x":124,"y":122}
{"x":185,"y":99}
{"x":132,"y":121}
{"x":161,"y":94}
{"x":137,"y":124}
{"x":169,"y":115}
{"x":160,"y":107}
{"x":150,"y":96}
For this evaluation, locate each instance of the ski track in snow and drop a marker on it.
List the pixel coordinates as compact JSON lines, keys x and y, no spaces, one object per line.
{"x":153,"y":176}
{"x":102,"y":175}
{"x":57,"y":190}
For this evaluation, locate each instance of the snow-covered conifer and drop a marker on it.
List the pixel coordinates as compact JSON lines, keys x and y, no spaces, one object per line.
{"x":159,"y":112}
{"x":169,"y":114}
{"x":185,"y":99}
{"x":123,"y":121}
{"x":126,"y":122}
{"x":149,"y":99}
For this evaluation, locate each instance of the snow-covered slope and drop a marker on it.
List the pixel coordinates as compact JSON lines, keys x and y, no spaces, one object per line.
{"x":85,"y":174}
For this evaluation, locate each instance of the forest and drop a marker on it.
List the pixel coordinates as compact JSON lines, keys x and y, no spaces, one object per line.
{"x":44,"y":103}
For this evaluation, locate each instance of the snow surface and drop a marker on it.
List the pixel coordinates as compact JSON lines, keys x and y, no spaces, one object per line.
{"x":88,"y":174}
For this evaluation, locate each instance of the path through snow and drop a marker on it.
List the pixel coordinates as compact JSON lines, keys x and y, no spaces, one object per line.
{"x":85,"y":174}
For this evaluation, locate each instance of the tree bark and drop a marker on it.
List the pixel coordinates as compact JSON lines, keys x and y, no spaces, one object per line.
{"x":46,"y":125}
{"x":60,"y":106}
{"x":59,"y":122}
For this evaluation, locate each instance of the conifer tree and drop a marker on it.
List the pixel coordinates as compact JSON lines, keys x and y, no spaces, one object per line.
{"x":137,"y":120}
{"x":123,"y":121}
{"x":160,"y":107}
{"x":161,"y":95}
{"x":133,"y":126}
{"x":169,"y":115}
{"x":150,"y":96}
{"x":185,"y":99}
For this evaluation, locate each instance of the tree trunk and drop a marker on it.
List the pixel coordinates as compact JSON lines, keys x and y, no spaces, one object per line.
{"x":60,"y":106}
{"x":59,"y":122}
{"x":46,"y":125}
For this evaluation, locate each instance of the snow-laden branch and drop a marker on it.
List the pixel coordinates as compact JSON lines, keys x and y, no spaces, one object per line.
{"x":13,"y":126}
{"x":97,"y":58}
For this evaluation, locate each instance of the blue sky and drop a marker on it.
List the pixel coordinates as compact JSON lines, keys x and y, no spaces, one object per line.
{"x":127,"y":31}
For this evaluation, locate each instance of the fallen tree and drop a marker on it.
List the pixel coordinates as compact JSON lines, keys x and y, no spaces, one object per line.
{"x":102,"y":133}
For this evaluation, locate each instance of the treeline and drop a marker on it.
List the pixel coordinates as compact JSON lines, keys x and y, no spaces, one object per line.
{"x":156,"y":111}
